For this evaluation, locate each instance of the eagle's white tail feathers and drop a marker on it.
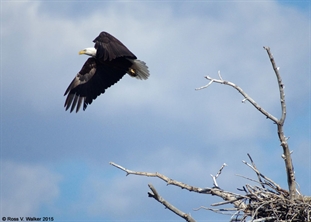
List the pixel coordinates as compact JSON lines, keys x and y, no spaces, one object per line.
{"x":140,"y":69}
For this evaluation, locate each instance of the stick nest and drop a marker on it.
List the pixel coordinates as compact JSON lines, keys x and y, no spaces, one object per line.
{"x":270,"y":203}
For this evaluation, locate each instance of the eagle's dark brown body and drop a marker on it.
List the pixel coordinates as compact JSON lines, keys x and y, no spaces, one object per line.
{"x":110,"y":63}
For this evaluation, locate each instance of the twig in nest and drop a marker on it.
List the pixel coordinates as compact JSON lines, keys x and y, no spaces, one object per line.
{"x":258,"y":176}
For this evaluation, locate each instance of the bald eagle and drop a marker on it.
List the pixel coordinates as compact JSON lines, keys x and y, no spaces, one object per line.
{"x":109,"y":61}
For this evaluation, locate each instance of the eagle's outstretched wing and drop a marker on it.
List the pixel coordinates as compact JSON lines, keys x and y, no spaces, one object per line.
{"x":93,"y":79}
{"x":109,"y":48}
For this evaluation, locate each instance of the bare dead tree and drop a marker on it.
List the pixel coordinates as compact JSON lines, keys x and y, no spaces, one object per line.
{"x":266,"y":202}
{"x":279,"y":122}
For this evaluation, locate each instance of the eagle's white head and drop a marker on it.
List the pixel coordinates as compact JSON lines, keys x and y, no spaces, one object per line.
{"x":88,"y":51}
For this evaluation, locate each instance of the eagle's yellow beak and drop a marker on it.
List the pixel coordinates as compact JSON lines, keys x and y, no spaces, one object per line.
{"x":82,"y":52}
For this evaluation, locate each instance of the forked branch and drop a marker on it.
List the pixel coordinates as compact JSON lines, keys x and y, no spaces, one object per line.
{"x":283,"y":139}
{"x":266,"y":201}
{"x":279,"y":122}
{"x":228,"y":197}
{"x":244,"y":94}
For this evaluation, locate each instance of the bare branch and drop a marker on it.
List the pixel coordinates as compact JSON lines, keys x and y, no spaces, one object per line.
{"x":163,"y":177}
{"x":169,"y":206}
{"x":228,"y":202}
{"x":217,"y":175}
{"x":225,"y":195}
{"x":283,"y":139}
{"x":264,"y":219}
{"x":277,"y":187}
{"x":280,"y":122}
{"x":253,"y":164}
{"x":245,"y":95}
{"x":222,"y":211}
{"x":258,"y":202}
{"x":280,"y":84}
{"x":203,"y":87}
{"x":221,"y":168}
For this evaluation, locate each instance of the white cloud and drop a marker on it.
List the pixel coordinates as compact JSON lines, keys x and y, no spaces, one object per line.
{"x":178,"y":50}
{"x":25,"y":188}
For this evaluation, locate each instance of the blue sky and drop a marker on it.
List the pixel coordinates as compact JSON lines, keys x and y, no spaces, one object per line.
{"x":56,"y":164}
